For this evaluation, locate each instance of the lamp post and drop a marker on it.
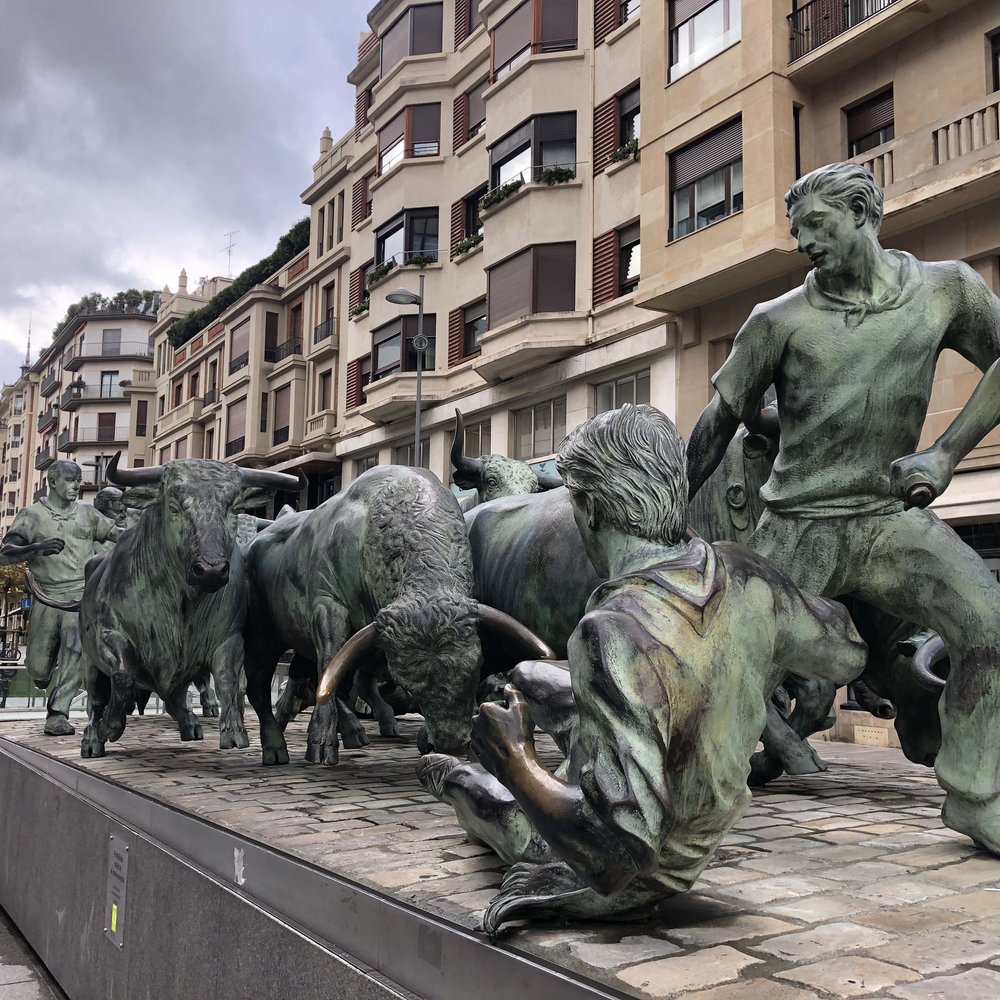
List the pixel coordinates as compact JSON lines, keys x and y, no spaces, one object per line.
{"x":404,"y":297}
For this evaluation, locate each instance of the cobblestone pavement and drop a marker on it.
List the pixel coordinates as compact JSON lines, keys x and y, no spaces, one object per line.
{"x":843,"y":884}
{"x":22,"y":975}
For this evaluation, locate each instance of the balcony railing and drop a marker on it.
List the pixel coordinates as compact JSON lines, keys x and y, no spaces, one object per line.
{"x":285,"y":350}
{"x":553,"y":45}
{"x":9,"y":511}
{"x":243,"y":361}
{"x":818,"y":21}
{"x":49,"y":384}
{"x":324,"y":330}
{"x":968,"y":132}
{"x":47,"y":419}
{"x":235,"y":447}
{"x":76,"y":355}
{"x":627,"y":9}
{"x":210,"y":397}
{"x":15,"y":443}
{"x":93,"y":435}
{"x":140,"y":430}
{"x":44,"y":459}
{"x":280,"y":436}
{"x":550,"y":174}
{"x":89,"y":393}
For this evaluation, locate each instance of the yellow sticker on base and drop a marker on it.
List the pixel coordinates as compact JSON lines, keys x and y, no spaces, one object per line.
{"x":114,"y":917}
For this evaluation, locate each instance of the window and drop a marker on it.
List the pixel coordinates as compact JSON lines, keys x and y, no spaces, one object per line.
{"x":282,"y":414}
{"x":535,"y":26}
{"x":194,"y":385}
{"x":995,"y":61}
{"x":617,"y":392}
{"x":181,"y":448}
{"x":403,"y":455}
{"x":239,"y":347}
{"x":475,"y":327}
{"x":324,"y":392}
{"x":236,"y":427}
{"x":295,"y":320}
{"x":870,"y":123}
{"x":367,"y":181}
{"x":18,"y":404}
{"x":475,"y":19}
{"x":473,"y":213}
{"x":111,"y":342}
{"x":628,"y":115}
{"x":477,"y":439}
{"x":417,"y":32}
{"x":160,"y":405}
{"x":366,"y":463}
{"x":340,"y":217}
{"x":629,"y":258}
{"x":105,"y":427}
{"x":477,"y":107}
{"x":414,"y":132}
{"x":543,"y":141}
{"x":410,"y":237}
{"x":164,"y":455}
{"x":321,"y":228}
{"x":141,"y":411}
{"x":178,"y":396}
{"x":388,"y":342}
{"x":209,"y":449}
{"x":538,"y":430}
{"x":706,"y":180}
{"x":537,"y":280}
{"x":109,"y":385}
{"x":700,"y":29}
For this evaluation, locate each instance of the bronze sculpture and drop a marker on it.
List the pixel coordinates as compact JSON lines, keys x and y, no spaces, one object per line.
{"x":852,"y":353}
{"x":55,"y":537}
{"x":662,"y":703}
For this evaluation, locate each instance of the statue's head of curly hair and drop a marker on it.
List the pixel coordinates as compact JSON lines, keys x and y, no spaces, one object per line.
{"x":432,"y":647}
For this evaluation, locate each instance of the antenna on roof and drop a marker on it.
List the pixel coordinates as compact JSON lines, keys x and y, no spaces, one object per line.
{"x":26,"y":367}
{"x":228,"y":250}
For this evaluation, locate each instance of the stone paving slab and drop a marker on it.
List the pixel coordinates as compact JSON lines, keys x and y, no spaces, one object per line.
{"x":22,"y":975}
{"x":834,"y":885}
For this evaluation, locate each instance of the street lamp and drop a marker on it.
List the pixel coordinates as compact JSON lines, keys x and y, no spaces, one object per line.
{"x":404,"y":297}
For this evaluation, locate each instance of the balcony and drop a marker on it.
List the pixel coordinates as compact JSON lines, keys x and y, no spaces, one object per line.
{"x":15,"y":443}
{"x":321,"y":424}
{"x":326,"y":333}
{"x":44,"y":459}
{"x":242,"y":361}
{"x":394,"y":396}
{"x":816,"y":22}
{"x":49,"y":384}
{"x":75,"y":356}
{"x":528,"y":344}
{"x":183,"y":413}
{"x":280,"y":436}
{"x":48,"y":418}
{"x":9,"y":511}
{"x":282,"y":351}
{"x":210,"y":398}
{"x":77,"y":394}
{"x":236,"y":446}
{"x":140,"y":381}
{"x":71,"y":440}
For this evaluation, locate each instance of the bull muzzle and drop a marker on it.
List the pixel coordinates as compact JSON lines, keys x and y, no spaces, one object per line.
{"x":208,"y":575}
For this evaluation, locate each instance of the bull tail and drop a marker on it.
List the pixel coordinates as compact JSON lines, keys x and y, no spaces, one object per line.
{"x":43,"y":598}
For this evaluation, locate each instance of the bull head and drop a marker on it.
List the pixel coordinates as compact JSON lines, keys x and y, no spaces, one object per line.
{"x":494,"y":476}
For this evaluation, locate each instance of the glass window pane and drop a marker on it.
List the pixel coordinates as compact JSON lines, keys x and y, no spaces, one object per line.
{"x":391,"y":156}
{"x":708,"y":26}
{"x":387,"y":353}
{"x":424,"y":234}
{"x":558,"y":421}
{"x":391,"y":246}
{"x":642,"y":387}
{"x":519,"y":165}
{"x":561,"y":153}
{"x":605,"y":396}
{"x":625,"y":390}
{"x":543,"y":429}
{"x":522,"y":433}
{"x":736,"y":174}
{"x":682,"y":211}
{"x":710,"y":198}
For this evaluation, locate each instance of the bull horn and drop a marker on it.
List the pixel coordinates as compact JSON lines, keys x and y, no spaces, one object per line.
{"x":466,"y":475}
{"x":932,"y":652}
{"x":503,"y":624}
{"x":43,"y":598}
{"x":548,"y":481}
{"x":872,"y":703}
{"x":132,"y":477}
{"x":360,"y":644}
{"x":264,"y":480}
{"x":262,"y":522}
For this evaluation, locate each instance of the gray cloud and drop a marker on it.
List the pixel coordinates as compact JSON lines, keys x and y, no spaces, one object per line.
{"x":133,"y":135}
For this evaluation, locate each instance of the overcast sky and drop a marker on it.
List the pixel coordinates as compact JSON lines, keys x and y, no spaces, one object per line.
{"x":134,"y":134}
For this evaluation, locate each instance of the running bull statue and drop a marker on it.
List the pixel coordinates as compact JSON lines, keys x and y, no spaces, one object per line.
{"x":379,"y":579}
{"x":170,"y":599}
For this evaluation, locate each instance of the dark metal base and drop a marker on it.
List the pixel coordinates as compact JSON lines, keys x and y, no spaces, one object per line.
{"x":205,"y":912}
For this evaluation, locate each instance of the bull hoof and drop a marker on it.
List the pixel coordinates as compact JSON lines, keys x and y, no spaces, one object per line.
{"x":111,"y":726}
{"x":191,"y":731}
{"x":387,"y":725}
{"x":233,"y":739}
{"x":274,"y":755}
{"x":320,"y":753}
{"x":354,"y":737}
{"x":210,"y":711}
{"x":91,"y":745}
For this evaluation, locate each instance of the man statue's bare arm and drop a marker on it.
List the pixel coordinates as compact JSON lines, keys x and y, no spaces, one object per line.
{"x":709,"y":441}
{"x":16,"y":548}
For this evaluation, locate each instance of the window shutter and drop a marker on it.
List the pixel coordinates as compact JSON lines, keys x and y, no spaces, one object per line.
{"x":457,"y":224}
{"x":426,"y":32}
{"x":605,"y":267}
{"x":462,"y":11}
{"x":282,"y":406}
{"x":513,"y":140}
{"x":870,"y":116}
{"x":511,"y":35}
{"x":357,"y":292}
{"x":556,"y":128}
{"x":353,"y":384}
{"x":456,"y":337}
{"x":360,"y":113}
{"x":509,"y":294}
{"x":725,"y":145}
{"x":558,"y":27}
{"x":392,"y":132}
{"x":477,"y":104}
{"x":605,"y":132}
{"x":629,"y":101}
{"x":237,"y":422}
{"x":605,"y":18}
{"x":241,"y":340}
{"x":359,"y":201}
{"x":395,"y":44}
{"x":460,"y":122}
{"x":555,"y":277}
{"x":425,"y":123}
{"x":684,"y":10}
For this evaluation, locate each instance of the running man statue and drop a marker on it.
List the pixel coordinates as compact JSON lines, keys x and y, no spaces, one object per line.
{"x":55,"y":537}
{"x":852,"y":354}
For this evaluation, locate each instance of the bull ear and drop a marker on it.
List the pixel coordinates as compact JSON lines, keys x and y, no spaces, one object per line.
{"x":548,"y":481}
{"x":141,"y":497}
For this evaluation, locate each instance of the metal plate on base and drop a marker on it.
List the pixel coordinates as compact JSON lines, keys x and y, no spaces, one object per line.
{"x":114,"y":908}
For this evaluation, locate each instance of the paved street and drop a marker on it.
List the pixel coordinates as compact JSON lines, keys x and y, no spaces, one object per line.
{"x":843,"y":884}
{"x":22,"y":976}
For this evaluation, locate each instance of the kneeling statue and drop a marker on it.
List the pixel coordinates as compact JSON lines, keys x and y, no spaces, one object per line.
{"x":657,"y":709}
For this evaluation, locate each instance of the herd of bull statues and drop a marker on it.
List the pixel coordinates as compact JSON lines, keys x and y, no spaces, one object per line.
{"x":656,"y":608}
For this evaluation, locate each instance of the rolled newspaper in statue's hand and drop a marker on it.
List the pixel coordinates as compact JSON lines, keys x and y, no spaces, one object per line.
{"x":917,"y":492}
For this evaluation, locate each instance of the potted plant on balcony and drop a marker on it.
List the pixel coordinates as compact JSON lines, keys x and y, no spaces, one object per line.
{"x":557,"y":175}
{"x":501,"y":193}
{"x":421,"y":259}
{"x":361,"y":308}
{"x":376,"y":274}
{"x":628,"y":151}
{"x":464,"y":246}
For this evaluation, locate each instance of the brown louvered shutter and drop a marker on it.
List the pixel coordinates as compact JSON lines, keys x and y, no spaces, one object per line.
{"x":555,"y":277}
{"x":358,"y":202}
{"x":357,"y":291}
{"x":605,"y":132}
{"x":605,"y":267}
{"x":870,"y":116}
{"x":360,"y":113}
{"x":457,"y":224}
{"x":707,"y":154}
{"x":462,"y":11}
{"x":353,"y":384}
{"x":460,"y":122}
{"x":456,"y":337}
{"x":605,"y":18}
{"x":509,"y":294}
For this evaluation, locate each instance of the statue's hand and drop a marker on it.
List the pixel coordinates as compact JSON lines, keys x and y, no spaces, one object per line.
{"x":49,"y":547}
{"x":544,"y":889}
{"x":920,"y":478}
{"x":501,"y":733}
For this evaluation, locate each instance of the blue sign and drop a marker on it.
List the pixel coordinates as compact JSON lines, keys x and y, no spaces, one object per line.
{"x":25,"y":603}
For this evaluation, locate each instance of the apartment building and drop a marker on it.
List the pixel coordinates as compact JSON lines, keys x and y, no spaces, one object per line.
{"x":18,"y":403}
